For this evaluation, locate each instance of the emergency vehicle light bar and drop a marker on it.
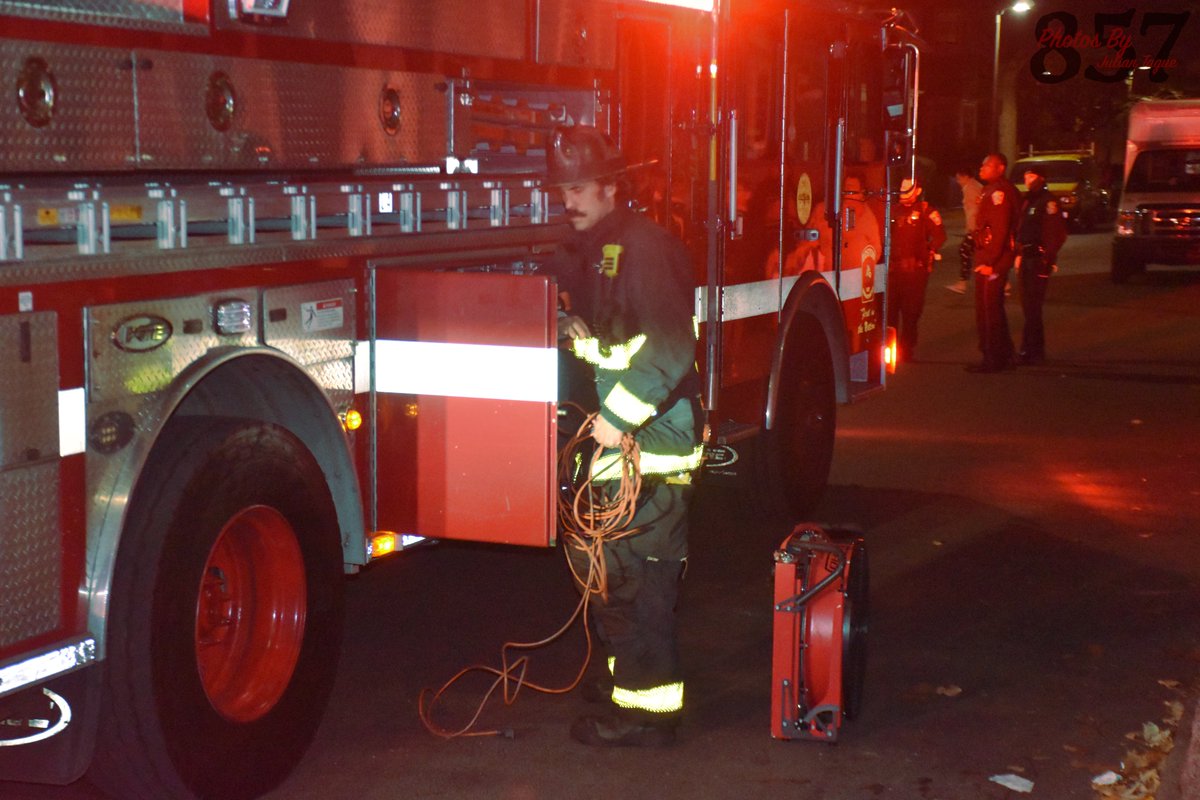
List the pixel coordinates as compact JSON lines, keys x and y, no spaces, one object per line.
{"x":47,"y":665}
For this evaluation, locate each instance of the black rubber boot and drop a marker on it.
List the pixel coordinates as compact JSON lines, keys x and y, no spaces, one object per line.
{"x":598,"y":690}
{"x":624,"y":730}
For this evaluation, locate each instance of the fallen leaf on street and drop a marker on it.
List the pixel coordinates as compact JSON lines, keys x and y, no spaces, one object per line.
{"x":1156,"y":737}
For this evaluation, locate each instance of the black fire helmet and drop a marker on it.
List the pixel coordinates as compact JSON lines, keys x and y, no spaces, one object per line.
{"x":581,"y":153}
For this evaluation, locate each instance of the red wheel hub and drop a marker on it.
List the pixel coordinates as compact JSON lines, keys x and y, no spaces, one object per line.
{"x":250,"y":614}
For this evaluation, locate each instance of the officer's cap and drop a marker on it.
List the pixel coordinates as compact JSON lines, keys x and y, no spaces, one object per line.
{"x":909,"y":189}
{"x":579,"y":154}
{"x":1035,"y":169}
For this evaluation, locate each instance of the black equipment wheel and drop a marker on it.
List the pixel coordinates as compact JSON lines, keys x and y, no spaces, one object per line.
{"x":855,"y":625}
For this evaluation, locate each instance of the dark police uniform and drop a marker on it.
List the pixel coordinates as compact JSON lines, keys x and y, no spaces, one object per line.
{"x":1041,"y":233}
{"x":995,"y":226}
{"x":917,"y":234}
{"x":631,"y":282}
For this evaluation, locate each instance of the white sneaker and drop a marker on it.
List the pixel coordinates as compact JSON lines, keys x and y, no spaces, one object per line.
{"x":959,"y":287}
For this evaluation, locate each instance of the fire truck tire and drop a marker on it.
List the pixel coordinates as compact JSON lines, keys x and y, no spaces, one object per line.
{"x":225,"y":618}
{"x":796,"y":452}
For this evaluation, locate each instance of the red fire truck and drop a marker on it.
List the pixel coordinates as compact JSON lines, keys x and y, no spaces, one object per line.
{"x":272,"y":301}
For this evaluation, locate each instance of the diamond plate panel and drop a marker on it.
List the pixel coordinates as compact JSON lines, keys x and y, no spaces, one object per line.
{"x":314,"y":324}
{"x":30,"y":552}
{"x":92,"y":122}
{"x":494,"y":28}
{"x":286,"y":115}
{"x":577,"y":32}
{"x":126,"y":377}
{"x":131,"y":13}
{"x":29,"y":390}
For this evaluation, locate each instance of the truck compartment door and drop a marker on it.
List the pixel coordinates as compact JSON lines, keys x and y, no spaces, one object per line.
{"x":464,"y":379}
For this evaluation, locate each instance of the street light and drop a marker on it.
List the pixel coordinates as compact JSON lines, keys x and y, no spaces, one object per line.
{"x":1020,"y":7}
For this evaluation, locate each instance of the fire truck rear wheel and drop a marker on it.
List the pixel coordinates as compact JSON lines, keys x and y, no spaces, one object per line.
{"x":225,"y":619}
{"x":796,"y":453}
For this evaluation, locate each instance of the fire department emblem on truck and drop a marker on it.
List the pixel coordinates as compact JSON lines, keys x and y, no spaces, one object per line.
{"x":142,"y":333}
{"x":868,"y":273}
{"x":804,"y":201}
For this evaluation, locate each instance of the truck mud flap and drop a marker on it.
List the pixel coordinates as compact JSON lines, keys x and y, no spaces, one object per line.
{"x":48,"y":732}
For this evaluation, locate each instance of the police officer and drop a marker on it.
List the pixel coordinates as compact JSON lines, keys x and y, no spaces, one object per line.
{"x":994,"y":256}
{"x":917,"y":235}
{"x":627,"y":289}
{"x":1041,"y":233}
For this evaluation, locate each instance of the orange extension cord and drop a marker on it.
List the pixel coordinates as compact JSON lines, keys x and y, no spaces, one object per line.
{"x":590,"y":517}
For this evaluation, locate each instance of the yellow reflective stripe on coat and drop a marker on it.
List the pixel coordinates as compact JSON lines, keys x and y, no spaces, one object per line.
{"x":617,"y":357}
{"x":608,"y":465}
{"x":628,"y":406}
{"x":660,"y":699}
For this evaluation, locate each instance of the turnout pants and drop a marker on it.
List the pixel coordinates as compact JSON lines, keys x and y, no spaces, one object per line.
{"x":637,"y":622}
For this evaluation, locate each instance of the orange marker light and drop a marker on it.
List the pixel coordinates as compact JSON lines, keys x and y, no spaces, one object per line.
{"x":383,"y":543}
{"x":352,"y":420}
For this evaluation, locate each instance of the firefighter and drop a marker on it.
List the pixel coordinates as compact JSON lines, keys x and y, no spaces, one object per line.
{"x":627,"y":295}
{"x":994,"y":255}
{"x":1040,"y":234}
{"x":917,"y":235}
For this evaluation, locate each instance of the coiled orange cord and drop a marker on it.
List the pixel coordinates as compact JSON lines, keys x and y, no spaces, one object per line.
{"x":596,"y":514}
{"x":589,"y":516}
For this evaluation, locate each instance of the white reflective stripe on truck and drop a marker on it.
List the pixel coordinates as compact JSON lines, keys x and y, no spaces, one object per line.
{"x":72,"y":421}
{"x":43,"y":667}
{"x":746,"y":300}
{"x":495,"y":372}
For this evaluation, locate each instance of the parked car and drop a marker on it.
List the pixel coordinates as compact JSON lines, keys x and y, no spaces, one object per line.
{"x":1074,"y":177}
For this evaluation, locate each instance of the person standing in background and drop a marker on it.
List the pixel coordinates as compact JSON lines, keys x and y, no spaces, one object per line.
{"x":1040,"y":234}
{"x":917,"y":235}
{"x":994,"y":256}
{"x":972,"y":190}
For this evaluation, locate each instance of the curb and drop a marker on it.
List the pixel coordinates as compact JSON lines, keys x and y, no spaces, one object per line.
{"x":1180,"y":774}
